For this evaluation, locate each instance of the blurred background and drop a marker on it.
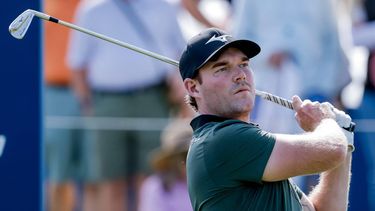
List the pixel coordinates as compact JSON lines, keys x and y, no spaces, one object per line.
{"x":93,"y":126}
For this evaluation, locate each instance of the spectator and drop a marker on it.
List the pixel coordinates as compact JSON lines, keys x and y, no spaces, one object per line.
{"x":111,"y":81}
{"x":166,"y":189}
{"x":300,"y":43}
{"x":62,"y":146}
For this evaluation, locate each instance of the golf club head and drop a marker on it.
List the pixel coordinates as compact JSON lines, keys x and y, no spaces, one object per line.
{"x":19,"y":26}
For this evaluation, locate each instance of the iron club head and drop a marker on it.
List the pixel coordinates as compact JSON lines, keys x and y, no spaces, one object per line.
{"x":19,"y":26}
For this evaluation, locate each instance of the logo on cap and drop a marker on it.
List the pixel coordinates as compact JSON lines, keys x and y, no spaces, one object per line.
{"x":222,"y":38}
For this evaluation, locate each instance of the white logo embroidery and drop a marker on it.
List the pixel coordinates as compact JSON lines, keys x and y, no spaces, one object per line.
{"x":195,"y":140}
{"x":222,"y":38}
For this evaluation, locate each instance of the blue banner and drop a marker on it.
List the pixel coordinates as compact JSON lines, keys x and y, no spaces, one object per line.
{"x":20,"y":112}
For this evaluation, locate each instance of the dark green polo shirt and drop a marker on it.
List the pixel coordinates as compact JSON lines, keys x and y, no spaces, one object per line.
{"x":225,"y":165}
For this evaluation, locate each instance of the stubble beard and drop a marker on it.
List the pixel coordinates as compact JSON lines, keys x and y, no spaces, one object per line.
{"x":234,"y":105}
{"x":235,"y":108}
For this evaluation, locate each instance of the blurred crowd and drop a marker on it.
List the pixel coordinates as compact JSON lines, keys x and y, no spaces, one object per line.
{"x":308,"y":49}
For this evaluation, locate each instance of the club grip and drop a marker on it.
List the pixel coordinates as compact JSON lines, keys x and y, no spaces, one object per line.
{"x":288,"y":104}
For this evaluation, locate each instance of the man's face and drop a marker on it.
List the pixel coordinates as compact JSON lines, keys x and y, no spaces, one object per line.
{"x":227,"y":86}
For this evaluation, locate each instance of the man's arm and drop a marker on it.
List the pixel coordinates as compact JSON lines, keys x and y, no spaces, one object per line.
{"x":333,"y":189}
{"x":192,"y":7}
{"x":314,"y":152}
{"x":323,"y":147}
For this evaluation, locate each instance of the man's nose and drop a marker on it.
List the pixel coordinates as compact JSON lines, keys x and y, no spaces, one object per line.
{"x":239,"y":74}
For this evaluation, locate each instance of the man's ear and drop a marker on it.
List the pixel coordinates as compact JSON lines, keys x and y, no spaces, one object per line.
{"x":192,"y":87}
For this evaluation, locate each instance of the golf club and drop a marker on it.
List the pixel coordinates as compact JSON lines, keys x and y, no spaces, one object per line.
{"x":19,"y":26}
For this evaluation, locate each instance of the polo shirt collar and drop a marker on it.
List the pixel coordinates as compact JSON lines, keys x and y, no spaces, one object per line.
{"x":200,"y":120}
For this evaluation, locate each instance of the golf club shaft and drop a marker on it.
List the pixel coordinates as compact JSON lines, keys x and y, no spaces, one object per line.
{"x":106,"y":38}
{"x":264,"y":95}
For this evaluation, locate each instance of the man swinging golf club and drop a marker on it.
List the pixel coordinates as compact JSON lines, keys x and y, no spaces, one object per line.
{"x":232,"y":163}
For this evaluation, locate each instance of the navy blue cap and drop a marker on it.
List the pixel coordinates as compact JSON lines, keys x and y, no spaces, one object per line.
{"x":210,"y":42}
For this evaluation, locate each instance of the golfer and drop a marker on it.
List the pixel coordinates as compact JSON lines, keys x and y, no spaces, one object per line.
{"x":232,"y":163}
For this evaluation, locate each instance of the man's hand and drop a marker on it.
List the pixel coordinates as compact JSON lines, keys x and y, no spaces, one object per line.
{"x":343,"y":120}
{"x":310,"y":114}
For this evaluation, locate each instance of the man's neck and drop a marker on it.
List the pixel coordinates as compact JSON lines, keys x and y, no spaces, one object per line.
{"x":243,"y":117}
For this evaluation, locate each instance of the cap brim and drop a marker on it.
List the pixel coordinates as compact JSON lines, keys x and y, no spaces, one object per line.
{"x":249,"y":48}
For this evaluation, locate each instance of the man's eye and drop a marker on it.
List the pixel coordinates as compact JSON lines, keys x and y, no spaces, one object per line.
{"x":222,"y":69}
{"x":244,"y":65}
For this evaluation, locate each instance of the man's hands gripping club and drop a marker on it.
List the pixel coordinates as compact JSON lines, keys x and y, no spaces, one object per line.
{"x":310,"y":114}
{"x":343,"y":120}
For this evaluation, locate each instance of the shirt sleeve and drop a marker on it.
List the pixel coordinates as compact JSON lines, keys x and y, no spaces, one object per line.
{"x":242,"y":152}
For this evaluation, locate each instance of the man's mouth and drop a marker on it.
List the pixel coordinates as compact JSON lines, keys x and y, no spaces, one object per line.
{"x":244,"y":89}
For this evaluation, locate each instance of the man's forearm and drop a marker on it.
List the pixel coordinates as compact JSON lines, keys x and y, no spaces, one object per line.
{"x":333,"y":189}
